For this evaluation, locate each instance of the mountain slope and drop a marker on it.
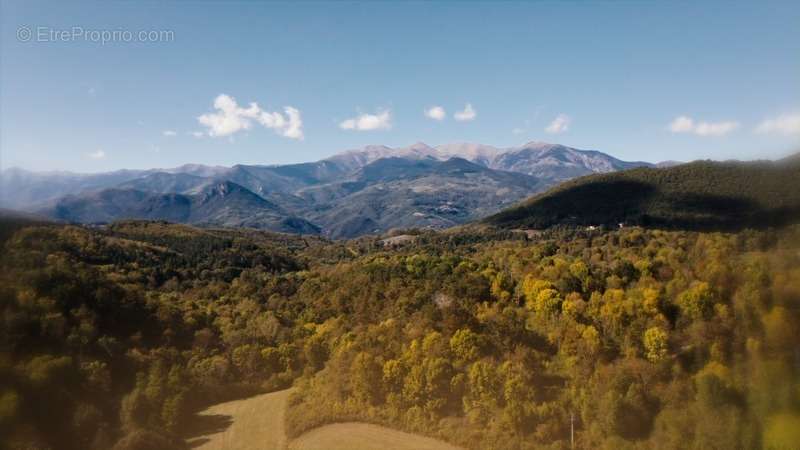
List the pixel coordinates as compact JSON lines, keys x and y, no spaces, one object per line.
{"x":19,"y":188}
{"x":551,"y":163}
{"x":554,"y":163}
{"x":477,"y":153}
{"x":24,"y":189}
{"x":286,"y":179}
{"x":352,"y":160}
{"x":218,"y":204}
{"x":228,"y":204}
{"x":401,"y":193}
{"x":108,"y":205}
{"x":164,"y":182}
{"x":699,"y":195}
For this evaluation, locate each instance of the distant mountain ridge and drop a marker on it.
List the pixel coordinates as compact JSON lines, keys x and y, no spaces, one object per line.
{"x":402,"y":193}
{"x":218,"y":204}
{"x":556,"y":163}
{"x":549,"y":162}
{"x":367,"y":190}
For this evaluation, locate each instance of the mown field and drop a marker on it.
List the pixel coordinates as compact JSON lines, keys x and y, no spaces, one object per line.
{"x":258,"y":423}
{"x":251,"y":423}
{"x":364,"y":436}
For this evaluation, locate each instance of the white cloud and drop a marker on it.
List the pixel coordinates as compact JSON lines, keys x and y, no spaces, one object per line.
{"x":685,"y":124}
{"x":435,"y":113}
{"x":99,"y":154}
{"x":682,"y":124}
{"x":715,"y":129}
{"x":559,"y":125}
{"x":197,"y":134}
{"x":230,"y":118}
{"x":787,"y":124}
{"x":468,"y":113}
{"x":365,"y":122}
{"x":169,"y":133}
{"x":518,"y":130}
{"x":294,"y":130}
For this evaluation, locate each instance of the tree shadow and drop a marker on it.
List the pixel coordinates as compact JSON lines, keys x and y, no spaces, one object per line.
{"x":595,"y":203}
{"x":706,"y":212}
{"x":194,"y":443}
{"x":632,"y":202}
{"x":201,"y":425}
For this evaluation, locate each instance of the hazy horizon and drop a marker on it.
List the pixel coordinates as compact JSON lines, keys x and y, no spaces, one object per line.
{"x":341,"y":151}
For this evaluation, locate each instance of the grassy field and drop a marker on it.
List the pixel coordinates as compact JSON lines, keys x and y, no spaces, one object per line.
{"x":257,"y":423}
{"x":362,"y":436}
{"x":254,"y":423}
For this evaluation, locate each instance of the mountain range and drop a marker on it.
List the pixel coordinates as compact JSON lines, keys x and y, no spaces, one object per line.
{"x":362,"y":191}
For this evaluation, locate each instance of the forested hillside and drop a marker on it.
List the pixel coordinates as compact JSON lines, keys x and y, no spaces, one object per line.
{"x":648,"y":339}
{"x":702,"y":195}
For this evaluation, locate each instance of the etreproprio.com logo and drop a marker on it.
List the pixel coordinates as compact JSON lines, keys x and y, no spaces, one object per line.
{"x":94,"y":36}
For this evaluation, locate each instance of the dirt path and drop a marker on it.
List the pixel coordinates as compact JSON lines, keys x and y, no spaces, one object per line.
{"x":363,"y":436}
{"x":254,"y":423}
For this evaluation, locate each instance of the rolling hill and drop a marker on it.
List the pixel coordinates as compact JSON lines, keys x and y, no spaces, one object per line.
{"x":218,"y":204}
{"x":699,"y":195}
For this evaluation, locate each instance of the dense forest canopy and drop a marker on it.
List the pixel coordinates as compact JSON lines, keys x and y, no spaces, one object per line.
{"x":702,"y":195}
{"x":113,"y":336}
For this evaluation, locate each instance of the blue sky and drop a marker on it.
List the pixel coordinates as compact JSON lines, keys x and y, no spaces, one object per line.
{"x":641,"y":80}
